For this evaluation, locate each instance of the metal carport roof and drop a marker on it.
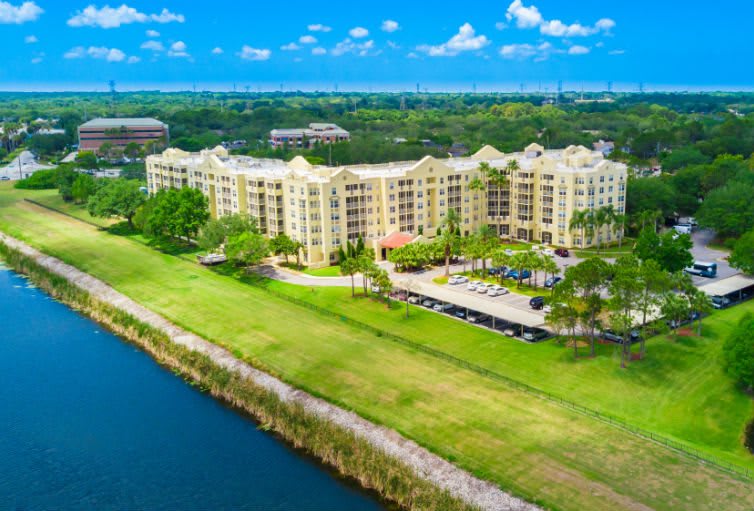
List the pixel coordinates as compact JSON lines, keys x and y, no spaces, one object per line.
{"x":728,"y":285}
{"x":497,"y":309}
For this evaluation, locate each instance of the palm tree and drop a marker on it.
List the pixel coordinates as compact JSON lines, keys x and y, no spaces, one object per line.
{"x":500,"y":259}
{"x":619,"y":227}
{"x":579,"y":220}
{"x":600,"y":218}
{"x":450,"y":224}
{"x":537,"y":265}
{"x":487,"y":237}
{"x":519,"y":261}
{"x":550,"y":266}
{"x":350,"y":266}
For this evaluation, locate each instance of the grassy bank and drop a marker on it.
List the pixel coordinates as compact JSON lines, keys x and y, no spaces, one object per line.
{"x":534,"y":448}
{"x":351,"y":456}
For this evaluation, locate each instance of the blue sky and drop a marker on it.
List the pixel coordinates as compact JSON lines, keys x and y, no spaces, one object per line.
{"x":385,"y":45}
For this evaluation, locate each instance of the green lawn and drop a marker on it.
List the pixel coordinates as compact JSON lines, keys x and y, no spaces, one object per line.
{"x":52,"y":199}
{"x":327,"y":271}
{"x":532,"y":447}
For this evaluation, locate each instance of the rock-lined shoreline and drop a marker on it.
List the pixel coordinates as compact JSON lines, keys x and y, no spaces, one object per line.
{"x":427,"y":466}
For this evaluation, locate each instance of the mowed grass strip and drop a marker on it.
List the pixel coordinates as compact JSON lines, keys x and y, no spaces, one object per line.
{"x":680,"y":391}
{"x":534,"y":448}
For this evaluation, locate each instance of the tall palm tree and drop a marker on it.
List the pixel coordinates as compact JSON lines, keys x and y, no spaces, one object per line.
{"x":450,"y":225}
{"x":500,"y":259}
{"x":518,"y":262}
{"x":488,"y":241}
{"x":579,"y":220}
{"x":537,"y":265}
{"x":619,"y":227}
{"x":550,"y":266}
{"x":600,"y":218}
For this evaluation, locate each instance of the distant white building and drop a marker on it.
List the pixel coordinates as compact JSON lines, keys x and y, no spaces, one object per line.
{"x":325,"y":133}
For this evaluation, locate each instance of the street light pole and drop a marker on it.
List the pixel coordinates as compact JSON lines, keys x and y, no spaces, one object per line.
{"x":20,"y":176}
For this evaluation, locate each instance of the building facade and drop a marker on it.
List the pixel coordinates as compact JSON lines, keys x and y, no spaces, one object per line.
{"x":324,"y":207}
{"x":323,"y":133}
{"x":121,"y":132}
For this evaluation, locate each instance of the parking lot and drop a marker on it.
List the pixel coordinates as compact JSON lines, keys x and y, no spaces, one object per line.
{"x":506,"y":314}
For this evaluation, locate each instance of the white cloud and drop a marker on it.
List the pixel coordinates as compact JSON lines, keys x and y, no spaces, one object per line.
{"x":578,"y":50}
{"x":540,"y":52}
{"x":18,"y":14}
{"x":31,"y":39}
{"x":530,"y":17}
{"x":605,"y":24}
{"x":113,"y":17}
{"x":298,"y":59}
{"x":393,"y":45}
{"x":217,"y":51}
{"x":412,"y":55}
{"x":77,"y":52}
{"x":153,"y":33}
{"x":178,"y":50}
{"x":319,"y":51}
{"x":166,"y":16}
{"x":365,"y":49}
{"x":616,"y":52}
{"x":249,"y":53}
{"x":290,"y":47}
{"x":358,"y":32}
{"x":390,"y":26}
{"x":36,"y":60}
{"x":465,"y":40}
{"x":96,"y":52}
{"x":501,"y":25}
{"x":133,"y":60}
{"x":526,"y":17}
{"x":307,"y":39}
{"x":600,"y":44}
{"x":152,"y":45}
{"x":318,"y":27}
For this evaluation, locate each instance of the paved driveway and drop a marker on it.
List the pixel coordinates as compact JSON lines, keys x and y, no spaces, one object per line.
{"x":24,"y":165}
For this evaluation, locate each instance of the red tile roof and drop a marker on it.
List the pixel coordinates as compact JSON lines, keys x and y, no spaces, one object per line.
{"x":396,"y":240}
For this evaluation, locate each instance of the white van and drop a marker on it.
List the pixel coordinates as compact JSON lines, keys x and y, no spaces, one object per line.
{"x":683,"y":228}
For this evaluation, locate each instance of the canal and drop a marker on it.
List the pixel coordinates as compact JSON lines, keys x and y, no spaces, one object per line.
{"x":89,"y":421}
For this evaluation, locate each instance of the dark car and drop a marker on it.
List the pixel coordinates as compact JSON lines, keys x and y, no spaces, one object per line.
{"x":535,"y":334}
{"x":537,"y":303}
{"x":562,"y":252}
{"x":460,"y":313}
{"x":513,"y":274}
{"x":552,"y":281}
{"x":612,"y":336}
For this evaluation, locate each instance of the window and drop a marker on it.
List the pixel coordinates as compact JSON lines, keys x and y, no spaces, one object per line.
{"x":334,"y":204}
{"x":391,"y":198}
{"x":291,"y":189}
{"x":602,"y":179}
{"x":391,"y":185}
{"x":334,"y":191}
{"x":420,"y":183}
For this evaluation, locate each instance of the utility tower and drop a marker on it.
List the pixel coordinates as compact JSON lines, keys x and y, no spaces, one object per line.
{"x":111,"y":84}
{"x":641,"y":87}
{"x":610,"y":87}
{"x":560,"y":91}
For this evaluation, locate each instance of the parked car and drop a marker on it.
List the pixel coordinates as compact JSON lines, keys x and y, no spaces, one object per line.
{"x":562,"y":252}
{"x":482,"y":288}
{"x":473,"y":285}
{"x":414,"y":299}
{"x":478,"y":317}
{"x":513,"y":274}
{"x":460,"y":313}
{"x":429,"y":303}
{"x":548,"y":252}
{"x":612,"y":336}
{"x":446,"y":308}
{"x":535,"y":334}
{"x":4,"y":178}
{"x":496,"y":290}
{"x":552,"y":281}
{"x":457,"y":279}
{"x":720,"y":302}
{"x":537,"y":303}
{"x":511,"y":331}
{"x":375,"y":289}
{"x":547,"y":309}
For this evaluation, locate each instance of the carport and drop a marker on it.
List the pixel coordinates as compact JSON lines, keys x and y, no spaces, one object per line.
{"x":499,"y":312}
{"x":736,"y":288}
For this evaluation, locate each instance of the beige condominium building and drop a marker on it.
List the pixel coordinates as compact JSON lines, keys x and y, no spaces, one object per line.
{"x":324,"y":207}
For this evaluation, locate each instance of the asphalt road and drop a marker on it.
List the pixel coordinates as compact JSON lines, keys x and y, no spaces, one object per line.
{"x":21,"y":167}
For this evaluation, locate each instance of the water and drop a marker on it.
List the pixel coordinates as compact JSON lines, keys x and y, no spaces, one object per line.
{"x":88,"y":421}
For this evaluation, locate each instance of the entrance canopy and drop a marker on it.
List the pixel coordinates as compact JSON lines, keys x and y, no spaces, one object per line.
{"x":396,"y":240}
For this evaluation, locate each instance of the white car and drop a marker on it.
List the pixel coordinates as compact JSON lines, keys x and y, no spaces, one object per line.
{"x":496,"y":290}
{"x":535,"y":248}
{"x":473,"y":285}
{"x":375,"y":289}
{"x":457,"y":279}
{"x":482,"y":288}
{"x":547,"y":309}
{"x":548,"y":252}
